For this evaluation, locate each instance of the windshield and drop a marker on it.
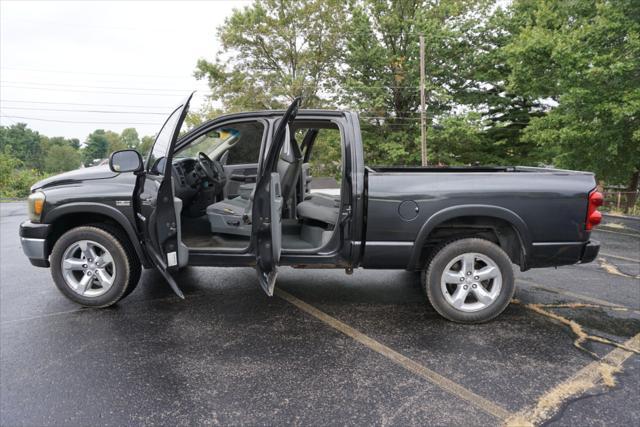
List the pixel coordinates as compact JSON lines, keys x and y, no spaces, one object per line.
{"x":209,"y":142}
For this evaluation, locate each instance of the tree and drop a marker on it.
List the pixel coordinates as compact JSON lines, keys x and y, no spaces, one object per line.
{"x":96,"y":147}
{"x":61,"y":158}
{"x":584,"y":56}
{"x":381,"y":69}
{"x":146,"y":144}
{"x":129,"y":137}
{"x":115,"y":142}
{"x":22,"y":143}
{"x":277,"y":50}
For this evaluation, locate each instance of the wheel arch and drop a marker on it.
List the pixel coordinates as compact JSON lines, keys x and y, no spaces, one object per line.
{"x":514,"y":231}
{"x":71,"y":215}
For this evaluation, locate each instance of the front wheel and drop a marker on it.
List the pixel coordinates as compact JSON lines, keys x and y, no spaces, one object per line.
{"x":93,"y":267}
{"x":469,"y":280}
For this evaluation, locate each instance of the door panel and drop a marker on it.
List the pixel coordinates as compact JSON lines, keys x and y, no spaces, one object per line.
{"x":267,"y":206}
{"x":238,"y":175}
{"x":156,"y":210}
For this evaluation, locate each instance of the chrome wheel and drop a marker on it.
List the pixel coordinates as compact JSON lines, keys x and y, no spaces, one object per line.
{"x":88,"y":268}
{"x":471,"y":282}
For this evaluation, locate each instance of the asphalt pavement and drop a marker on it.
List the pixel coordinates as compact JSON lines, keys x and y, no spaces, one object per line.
{"x":328,"y":349}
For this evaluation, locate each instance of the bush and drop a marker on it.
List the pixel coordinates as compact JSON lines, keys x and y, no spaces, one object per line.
{"x":15,"y":180}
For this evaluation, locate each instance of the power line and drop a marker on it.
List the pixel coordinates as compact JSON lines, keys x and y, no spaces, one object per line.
{"x":367,"y":87}
{"x":78,"y":122}
{"x":91,"y":91}
{"x":84,"y":104}
{"x":93,"y":87}
{"x":84,"y":111}
{"x":93,"y":73}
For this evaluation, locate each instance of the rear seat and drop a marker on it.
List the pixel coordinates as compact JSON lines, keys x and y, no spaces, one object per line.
{"x":320,"y":207}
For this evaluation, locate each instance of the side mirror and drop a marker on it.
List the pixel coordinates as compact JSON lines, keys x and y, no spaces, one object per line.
{"x":126,"y":161}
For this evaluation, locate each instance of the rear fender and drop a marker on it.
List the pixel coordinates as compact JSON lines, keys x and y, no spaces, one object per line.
{"x":466,"y":211}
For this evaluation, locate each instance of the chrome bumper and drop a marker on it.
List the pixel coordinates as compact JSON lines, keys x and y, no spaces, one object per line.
{"x":34,"y":248}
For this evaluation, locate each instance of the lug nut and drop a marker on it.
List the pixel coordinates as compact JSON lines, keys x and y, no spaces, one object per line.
{"x":465,"y":287}
{"x":474,"y":286}
{"x":468,"y":273}
{"x":88,"y":273}
{"x":476,"y":277}
{"x":462,"y":279}
{"x":84,"y":265}
{"x":90,"y":260}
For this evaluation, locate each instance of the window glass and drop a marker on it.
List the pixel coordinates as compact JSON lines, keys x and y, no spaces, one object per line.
{"x":163,"y":141}
{"x":241,"y":140}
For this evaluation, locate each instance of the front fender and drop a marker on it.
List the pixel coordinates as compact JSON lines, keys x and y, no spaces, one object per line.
{"x":447,"y":214}
{"x":102,"y":209}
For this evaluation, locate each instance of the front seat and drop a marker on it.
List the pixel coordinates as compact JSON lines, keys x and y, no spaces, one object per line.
{"x":233,"y":216}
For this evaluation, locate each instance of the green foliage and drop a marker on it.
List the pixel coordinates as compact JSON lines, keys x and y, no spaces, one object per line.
{"x":15,"y":180}
{"x":22,"y":143}
{"x":585,"y":55}
{"x":27,"y":157}
{"x":326,"y":154}
{"x":129,"y":138}
{"x":61,"y":158}
{"x":96,"y":147}
{"x":145,"y":145}
{"x":275,"y":50}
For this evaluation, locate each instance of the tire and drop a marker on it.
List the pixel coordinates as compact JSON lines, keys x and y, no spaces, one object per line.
{"x":99,"y":268}
{"x":458,"y":292}
{"x":134,"y":262}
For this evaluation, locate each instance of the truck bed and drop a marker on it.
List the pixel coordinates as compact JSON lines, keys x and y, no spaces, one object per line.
{"x":550,"y":204}
{"x":469,"y":169}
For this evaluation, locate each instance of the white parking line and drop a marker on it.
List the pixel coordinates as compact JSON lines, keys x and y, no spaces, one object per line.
{"x":620,"y":257}
{"x":570,"y":294}
{"x":617,"y":232}
{"x":433,"y":377}
{"x":597,"y":372}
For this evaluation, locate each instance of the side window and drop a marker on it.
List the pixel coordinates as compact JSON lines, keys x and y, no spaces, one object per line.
{"x":247,"y":149}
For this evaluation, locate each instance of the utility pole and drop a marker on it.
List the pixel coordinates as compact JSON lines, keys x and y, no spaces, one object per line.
{"x":423,"y":107}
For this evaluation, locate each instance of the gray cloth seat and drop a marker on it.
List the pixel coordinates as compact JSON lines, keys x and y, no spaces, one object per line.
{"x":233,"y":216}
{"x":320,"y":207}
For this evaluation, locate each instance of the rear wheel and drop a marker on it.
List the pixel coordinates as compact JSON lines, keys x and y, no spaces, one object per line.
{"x":469,"y":280}
{"x":92,"y":267}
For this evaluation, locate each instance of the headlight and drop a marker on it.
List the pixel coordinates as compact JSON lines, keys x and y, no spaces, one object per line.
{"x":36,"y":205}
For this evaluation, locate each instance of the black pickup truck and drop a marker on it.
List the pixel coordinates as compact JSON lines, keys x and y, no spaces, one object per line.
{"x":236,"y":191}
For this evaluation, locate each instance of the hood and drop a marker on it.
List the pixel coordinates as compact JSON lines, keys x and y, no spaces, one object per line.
{"x":76,"y":176}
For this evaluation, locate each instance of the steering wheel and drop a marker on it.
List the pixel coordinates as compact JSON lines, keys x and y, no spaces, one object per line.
{"x":212,"y":169}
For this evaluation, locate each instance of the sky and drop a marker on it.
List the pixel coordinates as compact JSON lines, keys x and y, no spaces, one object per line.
{"x":70,"y":67}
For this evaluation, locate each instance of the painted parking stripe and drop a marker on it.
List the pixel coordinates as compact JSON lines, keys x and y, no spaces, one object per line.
{"x":590,"y":376}
{"x":573,"y":294}
{"x":620,"y":257}
{"x":616,"y":232}
{"x":433,"y":377}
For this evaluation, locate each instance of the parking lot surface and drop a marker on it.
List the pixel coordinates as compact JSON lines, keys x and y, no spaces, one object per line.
{"x":328,"y":349}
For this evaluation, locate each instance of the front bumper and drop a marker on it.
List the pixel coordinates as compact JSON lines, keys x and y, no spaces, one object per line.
{"x":33,"y":238}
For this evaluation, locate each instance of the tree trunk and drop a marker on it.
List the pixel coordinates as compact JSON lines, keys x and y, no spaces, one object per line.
{"x":632,"y":195}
